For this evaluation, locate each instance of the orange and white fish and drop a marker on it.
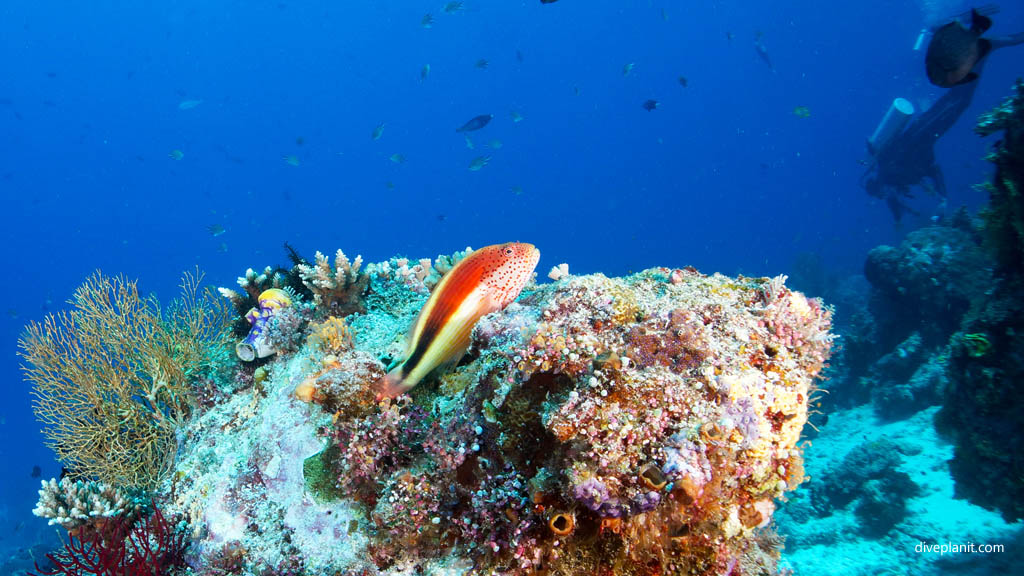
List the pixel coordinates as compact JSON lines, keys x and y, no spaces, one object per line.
{"x":485,"y":281}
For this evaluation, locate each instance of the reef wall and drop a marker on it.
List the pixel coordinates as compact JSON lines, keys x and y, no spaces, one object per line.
{"x":986,"y":369}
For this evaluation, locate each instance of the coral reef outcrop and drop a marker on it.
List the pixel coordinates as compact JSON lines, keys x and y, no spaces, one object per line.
{"x":638,"y":425}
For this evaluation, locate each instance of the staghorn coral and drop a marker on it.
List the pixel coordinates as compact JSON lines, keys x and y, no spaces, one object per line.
{"x":336,"y":288}
{"x":639,"y":425}
{"x":76,"y":503}
{"x":111,"y":377}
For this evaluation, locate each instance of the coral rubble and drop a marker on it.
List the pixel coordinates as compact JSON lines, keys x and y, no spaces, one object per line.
{"x":638,"y":425}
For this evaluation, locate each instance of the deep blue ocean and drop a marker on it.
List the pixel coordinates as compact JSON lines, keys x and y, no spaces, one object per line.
{"x":149,"y":138}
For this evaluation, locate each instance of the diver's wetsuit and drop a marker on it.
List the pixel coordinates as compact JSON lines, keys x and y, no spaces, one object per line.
{"x":908,"y":158}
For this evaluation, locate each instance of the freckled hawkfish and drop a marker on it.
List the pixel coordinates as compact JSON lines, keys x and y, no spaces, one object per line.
{"x":485,"y":281}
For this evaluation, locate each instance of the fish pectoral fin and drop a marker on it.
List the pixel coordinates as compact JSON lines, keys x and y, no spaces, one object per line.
{"x":979,"y":22}
{"x":971,"y":77}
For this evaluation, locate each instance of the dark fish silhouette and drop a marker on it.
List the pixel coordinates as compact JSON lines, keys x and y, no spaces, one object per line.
{"x":954,"y":50}
{"x":762,"y":51}
{"x":548,"y":1}
{"x":36,"y":472}
{"x":651,"y":105}
{"x":476,"y":123}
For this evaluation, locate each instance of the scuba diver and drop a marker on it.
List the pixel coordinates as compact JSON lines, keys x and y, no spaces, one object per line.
{"x":907,"y":158}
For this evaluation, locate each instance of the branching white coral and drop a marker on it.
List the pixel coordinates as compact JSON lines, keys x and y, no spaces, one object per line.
{"x":74,"y":503}
{"x":774,"y":288}
{"x":558,"y":272}
{"x":336,"y":284}
{"x":444,"y":263}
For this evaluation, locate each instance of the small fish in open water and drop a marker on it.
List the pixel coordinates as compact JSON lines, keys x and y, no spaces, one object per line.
{"x":478,"y":163}
{"x":475,"y":123}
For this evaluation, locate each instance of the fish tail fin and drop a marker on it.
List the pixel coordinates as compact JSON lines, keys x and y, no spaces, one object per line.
{"x":393,"y":384}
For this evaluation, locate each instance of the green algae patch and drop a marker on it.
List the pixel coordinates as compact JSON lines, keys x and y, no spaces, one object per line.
{"x":318,"y":475}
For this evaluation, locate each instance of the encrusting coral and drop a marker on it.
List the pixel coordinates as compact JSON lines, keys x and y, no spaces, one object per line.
{"x":638,"y":425}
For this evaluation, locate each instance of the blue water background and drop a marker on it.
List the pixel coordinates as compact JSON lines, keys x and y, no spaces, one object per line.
{"x":722,"y":176}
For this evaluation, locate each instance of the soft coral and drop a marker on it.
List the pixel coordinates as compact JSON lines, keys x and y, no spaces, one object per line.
{"x":117,"y":548}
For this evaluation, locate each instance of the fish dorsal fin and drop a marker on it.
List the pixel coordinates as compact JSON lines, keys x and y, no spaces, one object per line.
{"x":979,"y":22}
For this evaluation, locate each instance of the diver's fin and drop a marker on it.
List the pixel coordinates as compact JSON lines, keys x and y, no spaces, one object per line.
{"x":971,"y":77}
{"x":979,"y":22}
{"x":984,"y":47}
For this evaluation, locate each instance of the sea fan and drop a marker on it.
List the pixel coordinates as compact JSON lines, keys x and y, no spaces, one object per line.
{"x":117,"y":548}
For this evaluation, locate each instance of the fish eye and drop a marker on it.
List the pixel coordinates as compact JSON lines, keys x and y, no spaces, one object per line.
{"x":508,"y":251}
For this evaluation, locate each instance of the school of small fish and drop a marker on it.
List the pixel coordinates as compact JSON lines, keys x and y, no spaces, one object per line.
{"x":953,"y":52}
